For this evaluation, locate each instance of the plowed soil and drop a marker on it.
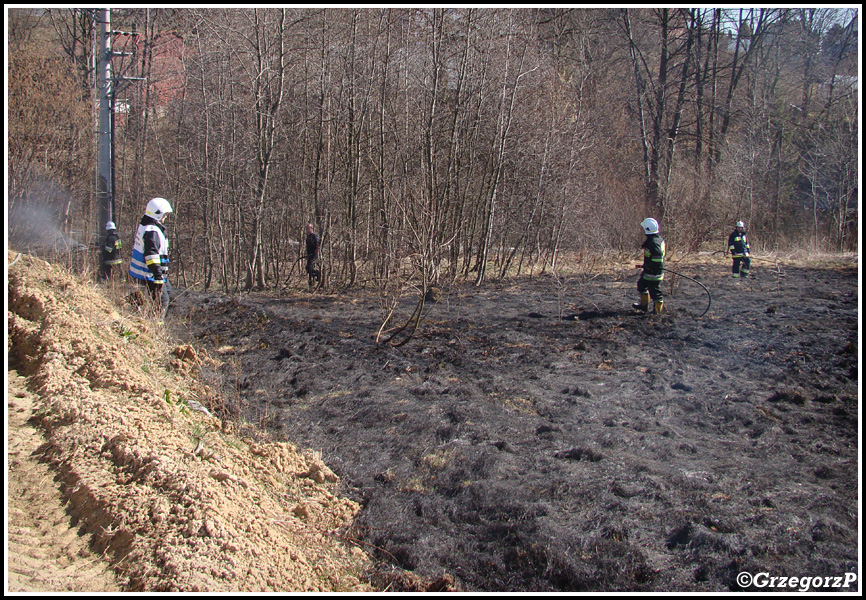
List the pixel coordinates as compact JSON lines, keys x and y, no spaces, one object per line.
{"x":119,"y":479}
{"x":537,"y":434}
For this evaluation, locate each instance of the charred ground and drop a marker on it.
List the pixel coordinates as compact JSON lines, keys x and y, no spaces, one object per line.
{"x":538,"y":435}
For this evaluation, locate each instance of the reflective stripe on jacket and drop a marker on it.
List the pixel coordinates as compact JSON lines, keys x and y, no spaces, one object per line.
{"x":149,"y":260}
{"x":111,"y":249}
{"x":738,"y":244}
{"x":653,"y":258}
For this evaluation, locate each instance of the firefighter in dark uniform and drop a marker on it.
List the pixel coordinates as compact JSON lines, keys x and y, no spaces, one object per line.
{"x":738,"y":246}
{"x":313,"y":243}
{"x":650,"y":283}
{"x":110,"y":251}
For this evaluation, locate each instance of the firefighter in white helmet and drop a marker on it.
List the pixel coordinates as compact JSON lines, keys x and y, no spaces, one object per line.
{"x":110,"y":251}
{"x":149,"y":263}
{"x":738,"y":246}
{"x":649,"y":284}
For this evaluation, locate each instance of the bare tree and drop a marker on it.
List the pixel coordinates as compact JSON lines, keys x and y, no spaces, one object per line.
{"x":50,"y":146}
{"x":433,"y":144}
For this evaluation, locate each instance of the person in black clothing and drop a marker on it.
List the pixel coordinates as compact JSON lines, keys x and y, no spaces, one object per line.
{"x":738,"y":246}
{"x":110,"y":251}
{"x":650,"y":282}
{"x":313,"y":244}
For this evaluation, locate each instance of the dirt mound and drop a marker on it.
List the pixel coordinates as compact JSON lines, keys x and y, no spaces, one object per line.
{"x":45,"y":554}
{"x":166,"y":495}
{"x":537,"y":435}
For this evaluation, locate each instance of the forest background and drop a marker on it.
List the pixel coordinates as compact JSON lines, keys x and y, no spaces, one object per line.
{"x":432,"y":144}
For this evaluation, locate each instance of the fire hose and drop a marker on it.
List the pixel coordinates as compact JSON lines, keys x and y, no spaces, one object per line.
{"x":709,"y":297}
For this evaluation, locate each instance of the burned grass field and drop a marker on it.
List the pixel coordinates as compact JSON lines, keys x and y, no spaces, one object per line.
{"x":537,"y":435}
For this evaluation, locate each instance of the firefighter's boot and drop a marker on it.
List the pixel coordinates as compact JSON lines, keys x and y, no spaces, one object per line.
{"x":658,"y":307}
{"x":643,"y":305}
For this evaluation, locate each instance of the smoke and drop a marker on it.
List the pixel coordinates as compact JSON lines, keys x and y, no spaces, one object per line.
{"x":36,"y":221}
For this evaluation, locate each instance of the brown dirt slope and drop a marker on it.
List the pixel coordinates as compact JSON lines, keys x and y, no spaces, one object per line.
{"x":116,"y":481}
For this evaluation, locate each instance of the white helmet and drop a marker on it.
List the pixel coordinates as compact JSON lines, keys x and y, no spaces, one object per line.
{"x":650,"y":226}
{"x":158,"y":208}
{"x":741,"y":224}
{"x":110,"y":225}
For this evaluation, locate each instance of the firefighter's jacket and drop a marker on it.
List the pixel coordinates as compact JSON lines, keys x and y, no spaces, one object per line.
{"x":149,"y":252}
{"x":111,"y":248}
{"x":653,"y":258}
{"x":738,"y":244}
